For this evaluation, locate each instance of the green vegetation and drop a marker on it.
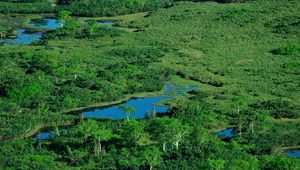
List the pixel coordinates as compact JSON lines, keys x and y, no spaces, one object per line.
{"x":90,"y":7}
{"x":288,"y":50}
{"x":243,"y":58}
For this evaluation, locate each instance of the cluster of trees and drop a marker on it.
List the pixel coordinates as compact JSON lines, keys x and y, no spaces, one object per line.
{"x":110,"y":7}
{"x":156,"y":143}
{"x":26,"y":7}
{"x":90,"y":7}
{"x":288,"y":50}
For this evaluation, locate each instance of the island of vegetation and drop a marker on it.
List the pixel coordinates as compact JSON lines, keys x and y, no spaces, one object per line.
{"x":181,"y":84}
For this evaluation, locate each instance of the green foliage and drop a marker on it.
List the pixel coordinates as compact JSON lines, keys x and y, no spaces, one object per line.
{"x":282,"y":163}
{"x":72,"y":25}
{"x":288,"y":50}
{"x":127,"y":110}
{"x":285,"y":25}
{"x":64,"y":17}
{"x":26,"y":8}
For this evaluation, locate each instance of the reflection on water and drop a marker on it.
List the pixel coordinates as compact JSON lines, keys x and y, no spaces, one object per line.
{"x":22,"y":38}
{"x":44,"y":23}
{"x":47,"y":133}
{"x":142,"y":106}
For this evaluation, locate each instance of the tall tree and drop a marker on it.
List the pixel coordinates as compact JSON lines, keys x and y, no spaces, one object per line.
{"x":169,"y":131}
{"x":128,"y":110}
{"x":63,"y":17}
{"x":151,"y":156}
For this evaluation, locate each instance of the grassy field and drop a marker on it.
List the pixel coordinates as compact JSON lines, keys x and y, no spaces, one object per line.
{"x":229,"y":47}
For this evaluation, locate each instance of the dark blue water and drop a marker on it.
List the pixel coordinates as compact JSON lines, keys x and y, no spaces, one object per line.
{"x":22,"y":38}
{"x":229,"y":133}
{"x":44,"y":23}
{"x":295,"y":153}
{"x":142,"y":107}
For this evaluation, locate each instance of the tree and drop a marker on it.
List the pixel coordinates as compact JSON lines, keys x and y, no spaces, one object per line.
{"x":91,"y":26}
{"x":132,"y":131}
{"x":215,"y":164}
{"x":30,"y":95}
{"x":169,"y":131}
{"x":63,"y":17}
{"x":239,"y":102}
{"x":153,"y":113}
{"x":151,"y":156}
{"x":97,"y":133}
{"x":128,"y":110}
{"x":129,"y":159}
{"x":72,"y":25}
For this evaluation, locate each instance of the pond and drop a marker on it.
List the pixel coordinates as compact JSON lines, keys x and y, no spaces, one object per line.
{"x":142,"y":106}
{"x":22,"y":37}
{"x":228,"y":133}
{"x":293,"y":153}
{"x":44,"y":23}
{"x":27,"y":37}
{"x":48,"y":132}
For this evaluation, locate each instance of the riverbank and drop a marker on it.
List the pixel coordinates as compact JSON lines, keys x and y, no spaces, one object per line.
{"x":284,"y":150}
{"x":38,"y":128}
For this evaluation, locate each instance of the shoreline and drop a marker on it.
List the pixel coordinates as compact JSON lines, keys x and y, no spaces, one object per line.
{"x":119,"y":101}
{"x":38,"y":128}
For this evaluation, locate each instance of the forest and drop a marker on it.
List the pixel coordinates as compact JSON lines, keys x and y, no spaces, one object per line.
{"x":239,"y":60}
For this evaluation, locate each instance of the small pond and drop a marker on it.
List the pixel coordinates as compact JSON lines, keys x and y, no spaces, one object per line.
{"x":47,"y":132}
{"x":228,"y":133}
{"x":22,"y":37}
{"x":293,"y":153}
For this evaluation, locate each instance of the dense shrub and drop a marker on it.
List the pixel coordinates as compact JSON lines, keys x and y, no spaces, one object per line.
{"x":285,"y":25}
{"x":287,"y":50}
